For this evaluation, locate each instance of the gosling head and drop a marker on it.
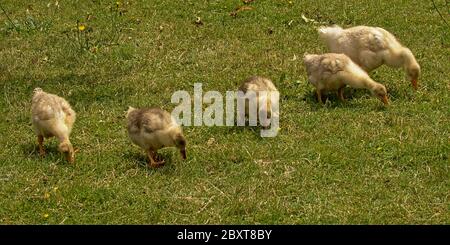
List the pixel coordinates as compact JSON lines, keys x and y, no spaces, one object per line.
{"x":412,"y":74}
{"x":67,"y":149}
{"x":379,"y":90}
{"x":412,"y":67}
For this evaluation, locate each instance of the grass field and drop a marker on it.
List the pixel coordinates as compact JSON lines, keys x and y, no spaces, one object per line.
{"x":354,"y":162}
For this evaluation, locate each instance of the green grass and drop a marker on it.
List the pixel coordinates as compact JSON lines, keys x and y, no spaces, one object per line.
{"x":353,"y":162}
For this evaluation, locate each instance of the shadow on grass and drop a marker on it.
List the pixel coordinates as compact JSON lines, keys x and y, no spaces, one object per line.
{"x":329,"y":99}
{"x":31,"y":150}
{"x":332,"y":101}
{"x":141,"y":160}
{"x":254,"y":130}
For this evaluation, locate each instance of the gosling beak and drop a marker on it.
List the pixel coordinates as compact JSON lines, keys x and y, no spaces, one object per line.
{"x":70,"y":157}
{"x":414,"y":84}
{"x":183,"y":153}
{"x":384,"y":99}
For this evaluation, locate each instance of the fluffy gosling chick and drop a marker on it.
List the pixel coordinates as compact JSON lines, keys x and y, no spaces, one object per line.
{"x":53,"y":116}
{"x":259,"y":84}
{"x":153,"y":129}
{"x":335,"y":71}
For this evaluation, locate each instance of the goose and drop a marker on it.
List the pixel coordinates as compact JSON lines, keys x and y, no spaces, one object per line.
{"x":371,"y":47}
{"x":334,"y":71}
{"x":53,"y":116}
{"x":153,"y":129}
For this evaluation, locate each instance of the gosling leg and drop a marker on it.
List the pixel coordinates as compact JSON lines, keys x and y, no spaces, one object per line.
{"x":319,"y":96}
{"x":41,"y":145}
{"x":153,"y":163}
{"x":341,"y":94}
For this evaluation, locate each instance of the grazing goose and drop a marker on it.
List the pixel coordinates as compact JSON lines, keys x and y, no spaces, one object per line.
{"x":335,"y":71}
{"x":371,"y":47}
{"x":153,"y":129}
{"x":53,"y":116}
{"x":259,"y":84}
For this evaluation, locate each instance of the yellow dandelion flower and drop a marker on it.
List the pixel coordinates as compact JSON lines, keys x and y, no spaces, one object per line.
{"x":81,"y":27}
{"x":45,"y":215}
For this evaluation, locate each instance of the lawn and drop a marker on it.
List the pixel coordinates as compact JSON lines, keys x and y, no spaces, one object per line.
{"x":356,"y":162}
